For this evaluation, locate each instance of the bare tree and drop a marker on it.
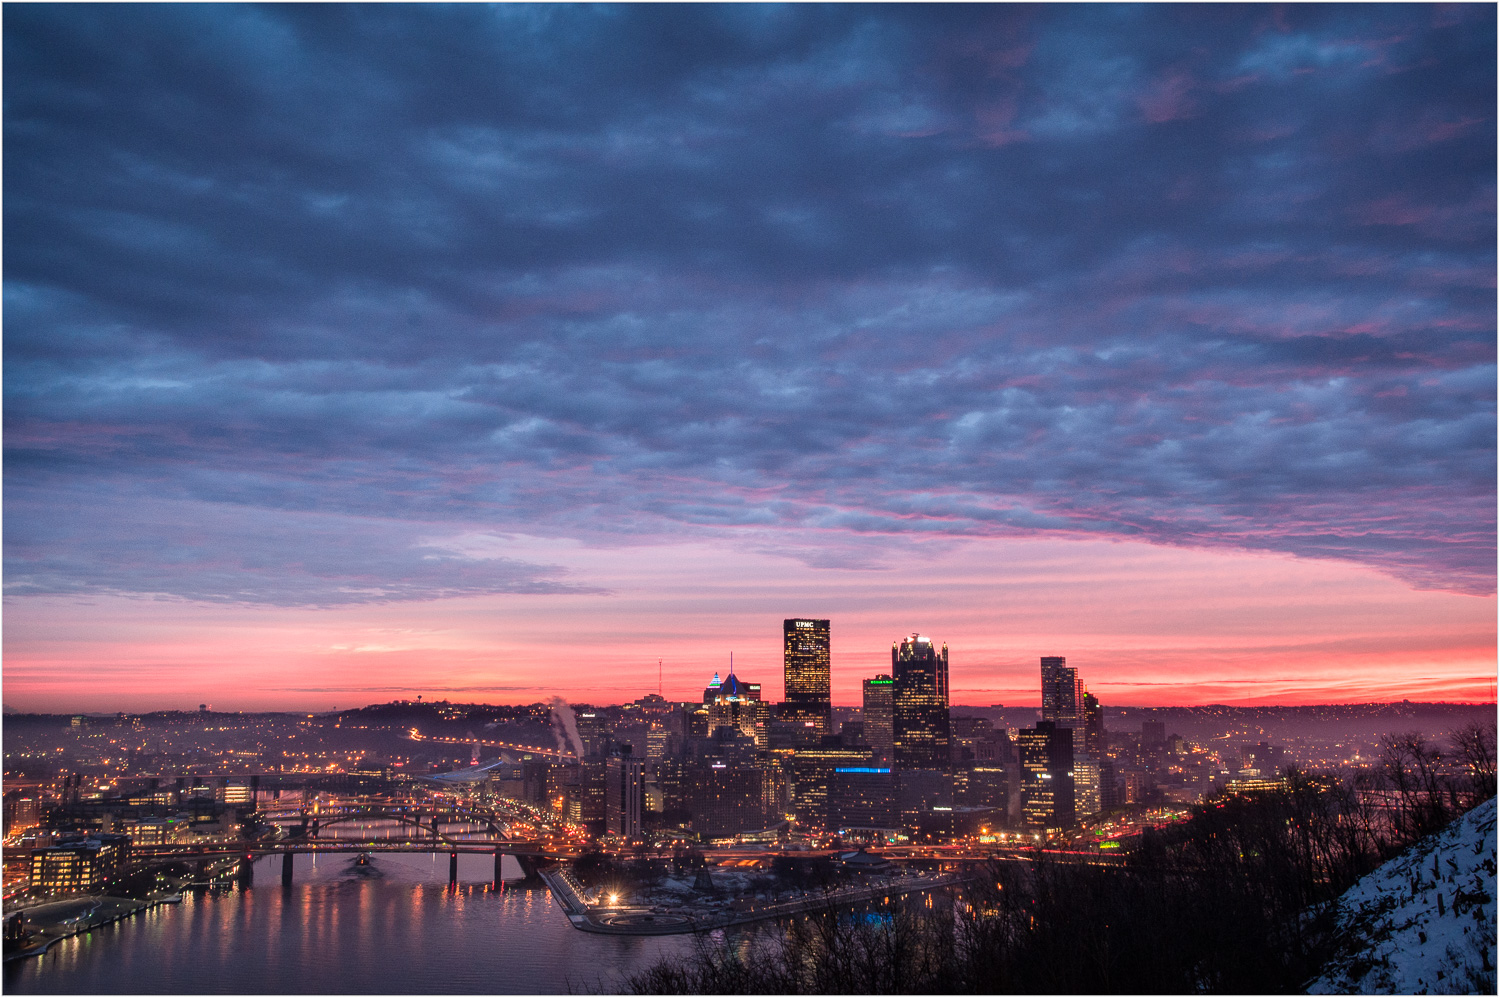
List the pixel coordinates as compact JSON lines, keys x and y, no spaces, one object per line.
{"x":1420,"y":801}
{"x":1475,"y":747}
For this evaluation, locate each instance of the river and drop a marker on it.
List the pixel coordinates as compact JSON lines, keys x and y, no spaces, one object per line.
{"x":395,"y":927}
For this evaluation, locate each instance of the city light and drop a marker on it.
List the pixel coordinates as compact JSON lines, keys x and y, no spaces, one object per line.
{"x":920,"y":498}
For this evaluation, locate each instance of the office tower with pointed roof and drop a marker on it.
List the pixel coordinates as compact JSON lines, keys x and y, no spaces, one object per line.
{"x":920,"y":736}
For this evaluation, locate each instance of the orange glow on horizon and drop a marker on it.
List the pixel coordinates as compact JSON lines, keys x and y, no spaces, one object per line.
{"x":1145,"y":626}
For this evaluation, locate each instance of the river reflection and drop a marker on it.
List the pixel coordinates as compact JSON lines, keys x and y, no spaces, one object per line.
{"x":395,"y":927}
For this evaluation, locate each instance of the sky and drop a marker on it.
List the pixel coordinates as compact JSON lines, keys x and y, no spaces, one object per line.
{"x":496,"y":353}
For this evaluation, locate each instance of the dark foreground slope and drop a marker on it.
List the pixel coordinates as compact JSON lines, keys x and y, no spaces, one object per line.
{"x":1423,"y":923}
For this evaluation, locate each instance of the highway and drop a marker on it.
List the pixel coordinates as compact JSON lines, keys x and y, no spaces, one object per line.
{"x":416,"y":736}
{"x":641,"y":920}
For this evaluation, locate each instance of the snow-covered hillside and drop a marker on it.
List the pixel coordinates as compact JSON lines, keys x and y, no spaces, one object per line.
{"x":1424,"y":923}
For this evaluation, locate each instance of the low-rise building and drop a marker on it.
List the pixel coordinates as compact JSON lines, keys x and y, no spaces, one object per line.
{"x":78,"y":864}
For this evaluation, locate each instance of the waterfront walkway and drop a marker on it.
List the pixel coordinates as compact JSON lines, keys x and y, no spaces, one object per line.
{"x":51,"y":921}
{"x":659,"y":920}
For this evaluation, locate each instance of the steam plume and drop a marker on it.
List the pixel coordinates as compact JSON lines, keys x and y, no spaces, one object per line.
{"x":564,"y":721}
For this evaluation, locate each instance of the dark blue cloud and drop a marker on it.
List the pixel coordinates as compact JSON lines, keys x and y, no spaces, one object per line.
{"x":88,"y":543}
{"x":1197,"y":275}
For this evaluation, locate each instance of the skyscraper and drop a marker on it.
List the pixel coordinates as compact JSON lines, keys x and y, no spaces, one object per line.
{"x":624,"y":795}
{"x":1046,"y":775}
{"x":1062,"y":697}
{"x":810,"y":770}
{"x":737,"y":704}
{"x":879,"y":704}
{"x":1087,"y":796}
{"x":919,"y":714}
{"x":1093,"y":726}
{"x":807,"y":687}
{"x":1060,"y":690}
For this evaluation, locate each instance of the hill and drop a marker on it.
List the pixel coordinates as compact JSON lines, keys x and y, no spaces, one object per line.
{"x":1423,"y":923}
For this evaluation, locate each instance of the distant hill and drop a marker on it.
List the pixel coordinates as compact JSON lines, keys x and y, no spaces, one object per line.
{"x":1424,"y":923}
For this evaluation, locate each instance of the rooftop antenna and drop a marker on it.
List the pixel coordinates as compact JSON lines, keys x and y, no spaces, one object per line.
{"x":658,"y":677}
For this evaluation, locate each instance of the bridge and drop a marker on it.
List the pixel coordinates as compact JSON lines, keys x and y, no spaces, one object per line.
{"x":453,"y":829}
{"x":416,"y":736}
{"x":496,"y":819}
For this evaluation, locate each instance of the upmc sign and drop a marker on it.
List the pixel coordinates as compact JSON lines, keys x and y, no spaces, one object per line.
{"x":806,"y":625}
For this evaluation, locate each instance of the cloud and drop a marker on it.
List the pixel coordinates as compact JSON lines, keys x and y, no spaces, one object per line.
{"x":81,"y":545}
{"x":813,"y":276}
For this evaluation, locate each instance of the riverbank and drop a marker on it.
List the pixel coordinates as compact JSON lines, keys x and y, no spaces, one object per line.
{"x":51,"y":922}
{"x":641,"y":920}
{"x":337,"y":931}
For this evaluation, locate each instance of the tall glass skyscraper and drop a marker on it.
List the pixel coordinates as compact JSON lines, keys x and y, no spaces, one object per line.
{"x":1062,"y":697}
{"x":1093,"y":726}
{"x":1046,"y":753}
{"x":919,"y":728}
{"x":808,"y":693}
{"x":1060,"y":691}
{"x":879,"y":714}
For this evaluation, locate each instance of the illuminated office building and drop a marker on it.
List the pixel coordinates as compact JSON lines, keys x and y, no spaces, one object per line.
{"x":1062,"y":698}
{"x":738,"y":705}
{"x":1093,"y":726}
{"x":987,"y":785}
{"x":810,"y":770}
{"x":657,"y":739}
{"x":75,"y":865}
{"x":586,"y":806}
{"x":919,"y":791}
{"x":1046,"y":753}
{"x":806,"y":649}
{"x":1111,"y":794}
{"x":862,"y":797}
{"x":919,"y":707}
{"x":1087,"y":795}
{"x":624,"y":795}
{"x":714,"y":796}
{"x":593,"y":731}
{"x":1061,"y":691}
{"x":695,"y":721}
{"x":23,"y":810}
{"x":879,"y":708}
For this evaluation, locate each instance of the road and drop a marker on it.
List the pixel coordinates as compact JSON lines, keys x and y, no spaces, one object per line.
{"x":640,"y":920}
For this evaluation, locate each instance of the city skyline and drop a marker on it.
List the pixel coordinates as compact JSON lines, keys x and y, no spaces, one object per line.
{"x":497,"y":354}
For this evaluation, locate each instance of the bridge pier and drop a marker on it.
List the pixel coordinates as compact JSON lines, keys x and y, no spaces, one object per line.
{"x":247,"y":870}
{"x":286,"y":868}
{"x":453,"y":869}
{"x":528,"y":868}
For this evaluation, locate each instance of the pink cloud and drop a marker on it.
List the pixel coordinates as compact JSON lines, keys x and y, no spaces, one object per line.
{"x":1145,"y":625}
{"x":1168,"y":99}
{"x":993,"y":124}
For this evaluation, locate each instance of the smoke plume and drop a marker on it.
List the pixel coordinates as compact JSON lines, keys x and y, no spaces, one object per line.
{"x":564,"y":721}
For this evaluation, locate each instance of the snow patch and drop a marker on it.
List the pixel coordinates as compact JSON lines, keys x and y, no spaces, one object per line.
{"x":1423,"y":923}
